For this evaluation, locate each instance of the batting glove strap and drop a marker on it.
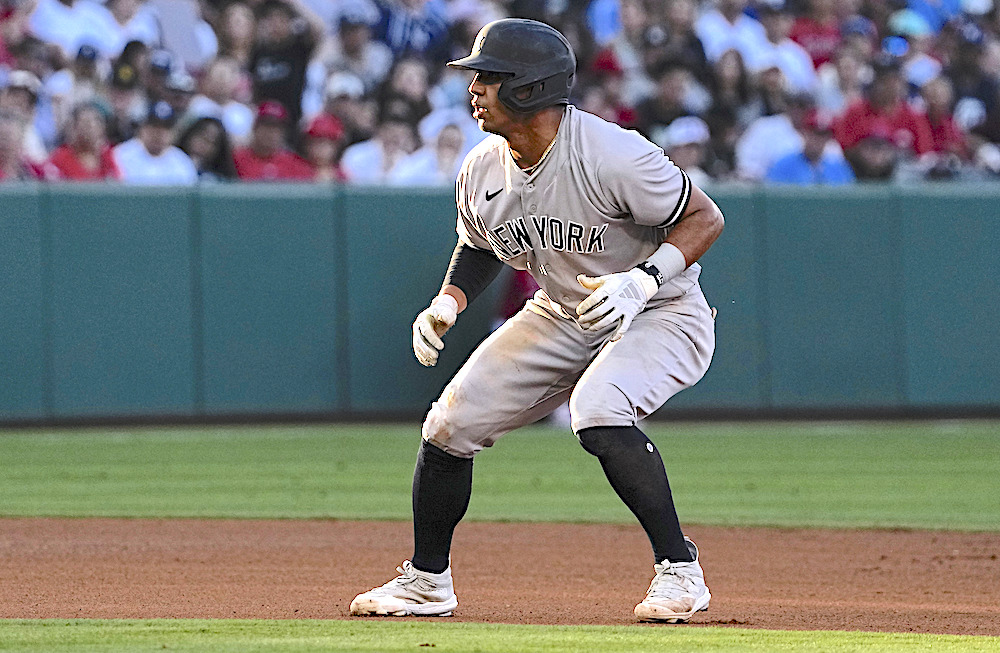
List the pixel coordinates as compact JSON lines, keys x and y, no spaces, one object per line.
{"x":432,"y":323}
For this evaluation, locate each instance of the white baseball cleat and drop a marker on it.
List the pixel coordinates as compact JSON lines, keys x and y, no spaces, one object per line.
{"x":678,"y":591}
{"x":413,"y":592}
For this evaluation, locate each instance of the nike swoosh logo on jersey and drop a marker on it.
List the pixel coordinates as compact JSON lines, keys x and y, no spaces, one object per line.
{"x":490,"y":195}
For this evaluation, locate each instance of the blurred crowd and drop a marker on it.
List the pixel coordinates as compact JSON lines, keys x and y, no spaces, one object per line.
{"x":356,"y":91}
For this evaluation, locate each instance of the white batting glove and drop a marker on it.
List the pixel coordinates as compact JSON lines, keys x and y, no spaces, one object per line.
{"x":617,"y":297}
{"x":432,"y":323}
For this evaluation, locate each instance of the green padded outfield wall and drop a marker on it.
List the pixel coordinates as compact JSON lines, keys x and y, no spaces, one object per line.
{"x":247,"y":301}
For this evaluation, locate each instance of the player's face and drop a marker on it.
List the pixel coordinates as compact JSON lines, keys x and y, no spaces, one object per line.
{"x":487,"y":109}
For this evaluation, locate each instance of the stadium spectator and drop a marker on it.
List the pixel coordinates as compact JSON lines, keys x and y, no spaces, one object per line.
{"x":237,"y":28}
{"x":14,"y":165}
{"x":127,"y":100}
{"x":685,"y":141}
{"x":669,"y":101}
{"x":912,"y":38}
{"x":370,"y":161}
{"x":282,"y":52}
{"x":35,"y":57}
{"x":946,"y":137}
{"x":405,"y":89}
{"x":80,"y":82}
{"x":149,"y":158}
{"x":179,"y":90}
{"x":154,"y":76}
{"x":818,"y":31}
{"x":675,"y":40}
{"x":977,"y":90}
{"x":791,"y":58}
{"x":436,"y":163}
{"x":20,"y":97}
{"x":874,"y":158}
{"x":728,"y":26}
{"x":217,"y":99}
{"x":267,"y":157}
{"x":206,"y":142}
{"x":413,"y":27}
{"x":624,"y":53}
{"x":355,"y":51}
{"x":133,"y":20}
{"x":885,"y":113}
{"x":842,"y":82}
{"x":86,"y":155}
{"x":69,"y":24}
{"x":323,"y":145}
{"x":815,"y":163}
{"x":769,"y":138}
{"x":346,"y":101}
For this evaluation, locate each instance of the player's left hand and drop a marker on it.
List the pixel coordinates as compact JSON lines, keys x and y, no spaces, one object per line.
{"x":617,"y":297}
{"x":429,"y":327}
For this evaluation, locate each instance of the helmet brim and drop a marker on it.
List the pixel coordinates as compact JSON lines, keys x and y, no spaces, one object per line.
{"x":479,"y":62}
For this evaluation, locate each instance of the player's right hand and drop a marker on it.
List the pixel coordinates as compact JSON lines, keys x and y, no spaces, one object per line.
{"x":432,"y":323}
{"x":616,"y":298}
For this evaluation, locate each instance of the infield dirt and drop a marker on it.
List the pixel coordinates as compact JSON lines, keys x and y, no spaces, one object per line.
{"x":892,"y":581}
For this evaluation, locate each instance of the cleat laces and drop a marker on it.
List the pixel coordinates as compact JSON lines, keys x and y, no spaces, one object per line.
{"x":671,"y":583}
{"x":407,"y":580}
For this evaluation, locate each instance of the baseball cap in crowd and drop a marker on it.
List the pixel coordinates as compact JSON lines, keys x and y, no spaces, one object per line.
{"x":25,"y":80}
{"x":124,"y":76}
{"x":272,"y":111}
{"x":86,"y":52}
{"x":161,"y":62}
{"x":161,"y":114}
{"x":344,"y":84}
{"x":859,"y":25}
{"x":181,"y":82}
{"x":686,"y":130}
{"x":325,"y":126}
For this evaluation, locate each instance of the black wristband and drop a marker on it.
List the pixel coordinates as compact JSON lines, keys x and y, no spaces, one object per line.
{"x":472,"y":270}
{"x":652,"y":271}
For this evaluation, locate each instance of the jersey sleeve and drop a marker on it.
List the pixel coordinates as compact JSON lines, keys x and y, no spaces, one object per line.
{"x":470,"y":230}
{"x":647,"y":186}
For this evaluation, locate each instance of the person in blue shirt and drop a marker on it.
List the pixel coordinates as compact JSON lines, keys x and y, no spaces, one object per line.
{"x":813,"y":164}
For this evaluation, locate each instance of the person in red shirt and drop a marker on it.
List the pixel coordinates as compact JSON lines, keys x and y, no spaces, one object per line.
{"x":324,"y":143}
{"x":267,"y":157}
{"x":86,"y":155}
{"x":818,"y":31}
{"x":948,"y":138}
{"x":885,"y":114}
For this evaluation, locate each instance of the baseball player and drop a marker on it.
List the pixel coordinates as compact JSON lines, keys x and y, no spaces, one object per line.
{"x":610,"y":229}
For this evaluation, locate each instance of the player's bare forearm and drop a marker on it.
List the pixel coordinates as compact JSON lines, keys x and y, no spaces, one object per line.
{"x":698,"y":228}
{"x":458,"y":294}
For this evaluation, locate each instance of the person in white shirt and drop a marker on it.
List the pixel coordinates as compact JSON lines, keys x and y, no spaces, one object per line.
{"x":727,"y":27}
{"x":217,"y":99}
{"x":150,"y":159}
{"x":72,"y":23}
{"x":793,"y":60}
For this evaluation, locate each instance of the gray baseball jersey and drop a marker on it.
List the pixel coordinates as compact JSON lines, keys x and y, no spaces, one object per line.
{"x":601,"y":201}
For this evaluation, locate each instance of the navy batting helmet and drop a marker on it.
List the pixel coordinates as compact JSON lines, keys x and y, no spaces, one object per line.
{"x":539,"y":60}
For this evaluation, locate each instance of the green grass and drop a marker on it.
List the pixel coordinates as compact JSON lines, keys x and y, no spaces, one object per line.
{"x":935,"y":475}
{"x":923,"y":475}
{"x":237,"y":636}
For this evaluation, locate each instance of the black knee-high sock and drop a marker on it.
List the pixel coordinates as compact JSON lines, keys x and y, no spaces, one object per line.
{"x":635,"y":470}
{"x":442,"y":486}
